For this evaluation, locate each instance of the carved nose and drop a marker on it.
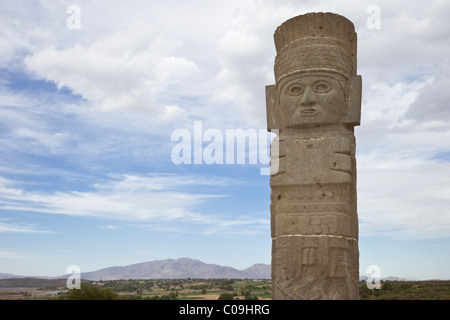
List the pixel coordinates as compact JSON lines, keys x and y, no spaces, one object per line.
{"x":309,"y":97}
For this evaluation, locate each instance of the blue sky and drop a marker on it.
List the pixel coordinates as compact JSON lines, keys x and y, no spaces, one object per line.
{"x":86,"y":118}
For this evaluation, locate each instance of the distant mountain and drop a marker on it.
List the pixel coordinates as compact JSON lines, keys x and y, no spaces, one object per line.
{"x":182,"y":268}
{"x":364,"y":278}
{"x":8,"y":276}
{"x":177,"y":269}
{"x":258,"y":271}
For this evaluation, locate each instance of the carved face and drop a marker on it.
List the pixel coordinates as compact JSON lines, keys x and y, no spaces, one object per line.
{"x":312,"y":99}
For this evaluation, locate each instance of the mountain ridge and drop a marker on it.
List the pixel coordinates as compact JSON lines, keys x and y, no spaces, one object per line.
{"x":180,"y":268}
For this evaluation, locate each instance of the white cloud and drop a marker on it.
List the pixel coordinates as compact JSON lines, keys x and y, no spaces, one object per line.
{"x":12,"y":255}
{"x":110,"y":227}
{"x":246,"y":53}
{"x":174,"y":114}
{"x":125,"y":71}
{"x":52,"y":141}
{"x":19,"y":32}
{"x":406,"y":47}
{"x":11,"y":99}
{"x":157,"y":199}
{"x":411,"y":203}
{"x":10,"y":227}
{"x":388,"y":103}
{"x":405,"y":115}
{"x":433,"y":103}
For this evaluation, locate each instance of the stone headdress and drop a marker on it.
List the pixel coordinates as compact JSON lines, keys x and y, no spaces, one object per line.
{"x":317,"y":42}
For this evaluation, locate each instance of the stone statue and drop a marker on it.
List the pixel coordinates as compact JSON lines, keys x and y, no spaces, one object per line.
{"x":314,"y":106}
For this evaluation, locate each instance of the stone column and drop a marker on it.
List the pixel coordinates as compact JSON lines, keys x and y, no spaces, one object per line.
{"x":314,"y":104}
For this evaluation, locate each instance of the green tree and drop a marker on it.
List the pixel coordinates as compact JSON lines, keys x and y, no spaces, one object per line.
{"x":90,"y":292}
{"x":170,"y":296}
{"x":226,"y":296}
{"x":386,"y":286}
{"x":250,"y":297}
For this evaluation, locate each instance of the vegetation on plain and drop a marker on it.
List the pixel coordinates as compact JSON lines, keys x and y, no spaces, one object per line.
{"x":206,"y":289}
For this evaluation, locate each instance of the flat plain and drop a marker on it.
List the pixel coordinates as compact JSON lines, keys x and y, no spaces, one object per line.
{"x":208,"y":289}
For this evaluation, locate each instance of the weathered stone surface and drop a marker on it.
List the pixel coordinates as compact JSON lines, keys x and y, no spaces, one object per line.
{"x":314,"y":104}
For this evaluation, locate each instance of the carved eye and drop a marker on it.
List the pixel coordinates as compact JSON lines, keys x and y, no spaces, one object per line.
{"x":322,"y":87}
{"x":295,"y":90}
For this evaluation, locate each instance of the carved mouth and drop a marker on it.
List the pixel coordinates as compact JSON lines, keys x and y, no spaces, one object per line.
{"x":308,"y":112}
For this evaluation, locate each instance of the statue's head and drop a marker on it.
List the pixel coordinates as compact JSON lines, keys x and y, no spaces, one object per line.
{"x":315,"y":73}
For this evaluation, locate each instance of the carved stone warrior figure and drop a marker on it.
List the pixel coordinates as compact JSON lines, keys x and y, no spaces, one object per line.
{"x":314,"y":104}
